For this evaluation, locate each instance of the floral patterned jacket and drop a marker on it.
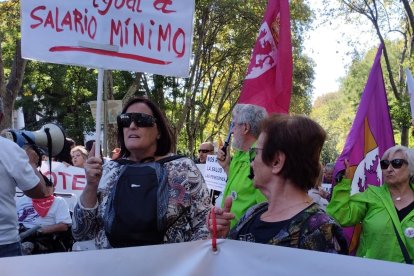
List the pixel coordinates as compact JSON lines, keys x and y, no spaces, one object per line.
{"x":310,"y":229}
{"x":188,"y":205}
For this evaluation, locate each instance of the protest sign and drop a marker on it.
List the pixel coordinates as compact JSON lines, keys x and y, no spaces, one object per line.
{"x":144,"y":36}
{"x":214,"y":174}
{"x":69,"y":181}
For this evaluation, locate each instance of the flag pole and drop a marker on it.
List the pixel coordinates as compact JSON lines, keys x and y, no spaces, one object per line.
{"x":98,"y":113}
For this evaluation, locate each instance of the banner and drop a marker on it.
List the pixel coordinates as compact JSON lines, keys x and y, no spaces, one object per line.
{"x":370,"y":136}
{"x":143,"y":36}
{"x":197,"y":258}
{"x":268,"y":81}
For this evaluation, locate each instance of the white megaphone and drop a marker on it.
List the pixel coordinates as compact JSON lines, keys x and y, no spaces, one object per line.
{"x":49,"y":136}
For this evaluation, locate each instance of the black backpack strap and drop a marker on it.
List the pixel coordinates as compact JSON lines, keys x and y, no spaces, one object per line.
{"x":170,"y":158}
{"x":124,"y":161}
{"x":404,"y":250}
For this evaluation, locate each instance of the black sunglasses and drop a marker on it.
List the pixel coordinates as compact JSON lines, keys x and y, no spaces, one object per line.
{"x":139,"y":119}
{"x":395,"y":163}
{"x":204,"y":151}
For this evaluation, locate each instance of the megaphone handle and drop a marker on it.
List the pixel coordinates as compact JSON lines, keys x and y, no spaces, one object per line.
{"x":49,"y":149}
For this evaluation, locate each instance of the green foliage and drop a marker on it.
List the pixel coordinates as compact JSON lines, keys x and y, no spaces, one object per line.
{"x":198,"y":107}
{"x":9,"y":31}
{"x":58,"y":93}
{"x":336,"y":111}
{"x":333,"y":112}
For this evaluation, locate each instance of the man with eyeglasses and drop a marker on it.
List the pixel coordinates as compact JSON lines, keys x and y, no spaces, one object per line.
{"x":206,"y":148}
{"x":246,"y":129}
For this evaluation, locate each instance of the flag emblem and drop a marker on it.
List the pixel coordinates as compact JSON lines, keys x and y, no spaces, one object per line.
{"x":265,"y":54}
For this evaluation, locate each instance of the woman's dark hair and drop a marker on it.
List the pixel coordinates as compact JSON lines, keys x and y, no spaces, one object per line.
{"x":301,"y":140}
{"x":64,"y":155}
{"x":164,"y":143}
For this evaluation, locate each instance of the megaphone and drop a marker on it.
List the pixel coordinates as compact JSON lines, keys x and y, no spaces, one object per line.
{"x":49,"y":136}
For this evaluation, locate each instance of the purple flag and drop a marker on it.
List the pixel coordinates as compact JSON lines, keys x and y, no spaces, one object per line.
{"x":370,"y":136}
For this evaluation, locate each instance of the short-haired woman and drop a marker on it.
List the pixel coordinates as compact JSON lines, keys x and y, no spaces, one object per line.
{"x":79,"y":154}
{"x":382,"y":210}
{"x":286,"y":165}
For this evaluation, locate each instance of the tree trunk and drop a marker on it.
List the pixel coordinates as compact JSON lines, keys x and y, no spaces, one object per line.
{"x":9,"y":91}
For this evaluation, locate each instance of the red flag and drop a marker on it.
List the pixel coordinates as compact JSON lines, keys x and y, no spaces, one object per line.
{"x":268,"y":81}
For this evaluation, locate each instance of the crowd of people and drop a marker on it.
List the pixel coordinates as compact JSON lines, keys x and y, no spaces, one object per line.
{"x":275,"y":192}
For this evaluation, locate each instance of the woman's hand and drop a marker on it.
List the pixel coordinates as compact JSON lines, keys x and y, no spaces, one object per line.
{"x":223,"y":218}
{"x":93,"y":172}
{"x":347,"y":169}
{"x":322,"y":193}
{"x":93,"y":168}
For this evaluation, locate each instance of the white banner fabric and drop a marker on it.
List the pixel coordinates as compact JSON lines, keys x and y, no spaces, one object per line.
{"x":197,"y":258}
{"x":143,"y":36}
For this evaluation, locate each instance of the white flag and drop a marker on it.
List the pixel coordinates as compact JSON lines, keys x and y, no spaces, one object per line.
{"x":410,"y":85}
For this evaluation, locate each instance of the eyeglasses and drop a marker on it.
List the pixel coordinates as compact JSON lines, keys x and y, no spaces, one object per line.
{"x":233,"y":124}
{"x":204,"y":151}
{"x":253,"y":152}
{"x":139,"y":119}
{"x":395,"y":163}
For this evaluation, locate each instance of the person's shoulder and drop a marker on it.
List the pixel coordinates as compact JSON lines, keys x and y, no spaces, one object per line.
{"x":110,"y":164}
{"x":372,"y":191}
{"x":174,"y":158}
{"x":256,"y":208}
{"x":22,"y":200}
{"x":8,"y":144}
{"x":317,"y":217}
{"x":376,"y":188}
{"x":59,"y":198}
{"x":61,"y":202}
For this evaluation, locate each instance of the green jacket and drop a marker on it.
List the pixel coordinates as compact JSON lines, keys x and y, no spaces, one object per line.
{"x":240,"y":186}
{"x":375,"y":209}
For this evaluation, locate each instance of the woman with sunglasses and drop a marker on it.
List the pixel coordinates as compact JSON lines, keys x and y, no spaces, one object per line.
{"x":382,"y":210}
{"x":285,"y":165}
{"x":144,"y":135}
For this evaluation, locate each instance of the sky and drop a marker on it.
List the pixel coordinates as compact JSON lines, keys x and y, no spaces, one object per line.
{"x":327,"y":45}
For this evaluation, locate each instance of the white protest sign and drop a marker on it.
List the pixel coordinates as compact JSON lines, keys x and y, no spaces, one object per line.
{"x":214,"y":175}
{"x":151,"y":36}
{"x":67,"y":179}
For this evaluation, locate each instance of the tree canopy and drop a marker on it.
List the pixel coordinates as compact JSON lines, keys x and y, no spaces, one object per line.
{"x":198,"y":107}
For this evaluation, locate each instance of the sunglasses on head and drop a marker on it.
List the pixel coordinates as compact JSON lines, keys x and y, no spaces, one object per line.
{"x":204,"y":151}
{"x":139,"y":119}
{"x":395,"y":163}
